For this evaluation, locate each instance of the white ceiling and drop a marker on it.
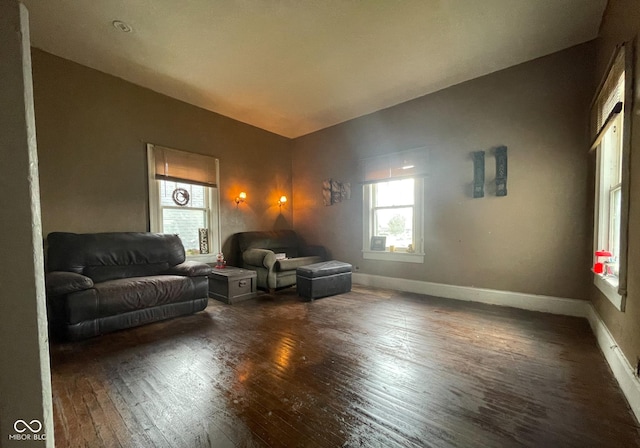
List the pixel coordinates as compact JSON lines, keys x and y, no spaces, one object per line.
{"x":296,"y":66}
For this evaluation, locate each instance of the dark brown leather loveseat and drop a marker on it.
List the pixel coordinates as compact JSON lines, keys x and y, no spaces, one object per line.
{"x":102,"y":282}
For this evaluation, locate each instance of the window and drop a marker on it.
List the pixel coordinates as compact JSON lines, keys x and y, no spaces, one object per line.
{"x":393,"y":204}
{"x":393,"y":209}
{"x":184,"y":220}
{"x":608,"y":122}
{"x":183,"y":199}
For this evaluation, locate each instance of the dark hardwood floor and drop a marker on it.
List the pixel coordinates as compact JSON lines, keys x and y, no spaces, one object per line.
{"x":372,"y":368}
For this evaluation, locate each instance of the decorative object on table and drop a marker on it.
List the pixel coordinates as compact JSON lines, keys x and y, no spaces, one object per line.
{"x":478,"y":174}
{"x":203,"y":235}
{"x":220,"y":262}
{"x":378,"y":242}
{"x":334,"y":191}
{"x":240,"y":198}
{"x":501,"y":171}
{"x":180,"y":197}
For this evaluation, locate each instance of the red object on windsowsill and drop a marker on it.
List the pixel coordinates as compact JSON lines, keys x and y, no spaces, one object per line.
{"x":603,"y":253}
{"x":598,"y":267}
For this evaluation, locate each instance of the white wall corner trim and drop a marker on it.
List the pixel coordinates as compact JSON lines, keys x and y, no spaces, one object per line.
{"x":622,"y":370}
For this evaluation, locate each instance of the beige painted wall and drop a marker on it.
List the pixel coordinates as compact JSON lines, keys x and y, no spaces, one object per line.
{"x":622,"y":23}
{"x":92,"y":129}
{"x":536,"y":240}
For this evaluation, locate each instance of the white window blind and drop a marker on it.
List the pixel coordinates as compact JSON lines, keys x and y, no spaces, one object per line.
{"x":175,"y":165}
{"x":411,"y":163}
{"x":610,"y":98}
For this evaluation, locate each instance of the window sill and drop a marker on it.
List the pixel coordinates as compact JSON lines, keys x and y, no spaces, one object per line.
{"x":609,"y":287}
{"x":392,"y":256}
{"x":202,"y":258}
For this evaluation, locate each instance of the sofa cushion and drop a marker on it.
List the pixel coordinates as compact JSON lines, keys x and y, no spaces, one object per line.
{"x":109,"y":256}
{"x":285,"y":241}
{"x":294,"y":263}
{"x":104,"y":273}
{"x":119,"y":296}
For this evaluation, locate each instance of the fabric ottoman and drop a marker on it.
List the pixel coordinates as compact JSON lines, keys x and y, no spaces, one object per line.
{"x":323,"y":279}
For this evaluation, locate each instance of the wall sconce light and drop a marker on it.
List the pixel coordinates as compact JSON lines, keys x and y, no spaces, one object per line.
{"x":282,"y":201}
{"x":241,"y":197}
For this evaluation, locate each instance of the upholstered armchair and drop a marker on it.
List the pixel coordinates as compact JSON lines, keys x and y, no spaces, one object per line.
{"x":275,"y":256}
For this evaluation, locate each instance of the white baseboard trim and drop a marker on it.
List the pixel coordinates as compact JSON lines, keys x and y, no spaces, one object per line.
{"x":622,"y":370}
{"x":532,"y":302}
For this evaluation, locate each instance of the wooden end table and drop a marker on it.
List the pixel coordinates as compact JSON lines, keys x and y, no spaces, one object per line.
{"x":232,"y":285}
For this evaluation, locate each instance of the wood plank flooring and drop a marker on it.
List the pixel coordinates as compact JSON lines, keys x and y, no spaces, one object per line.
{"x":371,"y":368}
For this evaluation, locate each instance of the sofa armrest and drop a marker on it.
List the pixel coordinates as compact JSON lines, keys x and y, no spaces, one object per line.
{"x":190,"y":269}
{"x":259,"y":257}
{"x":60,"y":283}
{"x":313,"y":251}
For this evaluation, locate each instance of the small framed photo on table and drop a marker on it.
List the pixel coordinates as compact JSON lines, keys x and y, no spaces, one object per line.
{"x":378,"y":242}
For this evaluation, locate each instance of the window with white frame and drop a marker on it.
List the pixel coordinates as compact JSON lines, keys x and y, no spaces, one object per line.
{"x":392,"y":210}
{"x":183,"y":199}
{"x":608,"y":123}
{"x":393,"y":207}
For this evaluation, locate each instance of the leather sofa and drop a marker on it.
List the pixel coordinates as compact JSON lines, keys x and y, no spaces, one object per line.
{"x":259,"y":251}
{"x":103,"y":282}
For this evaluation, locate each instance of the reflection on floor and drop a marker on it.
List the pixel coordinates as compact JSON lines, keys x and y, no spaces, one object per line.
{"x":372,"y":368}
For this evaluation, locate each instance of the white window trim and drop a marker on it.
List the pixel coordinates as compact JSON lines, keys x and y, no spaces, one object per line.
{"x":155,"y":223}
{"x":605,"y":113}
{"x":602,"y":222}
{"x":418,"y":226}
{"x":392,"y":256}
{"x":609,"y":289}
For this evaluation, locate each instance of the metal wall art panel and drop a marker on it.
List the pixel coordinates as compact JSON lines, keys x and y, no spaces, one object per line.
{"x":478,"y":174}
{"x":501,"y":171}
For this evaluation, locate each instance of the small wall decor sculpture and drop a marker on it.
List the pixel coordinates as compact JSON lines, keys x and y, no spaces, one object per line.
{"x":203,"y":236}
{"x":478,"y":174}
{"x":180,"y":197}
{"x":501,"y":171}
{"x":334,"y":191}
